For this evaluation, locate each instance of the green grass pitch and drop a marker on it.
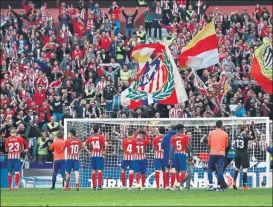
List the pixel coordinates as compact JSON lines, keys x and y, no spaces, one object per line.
{"x":148,"y":197}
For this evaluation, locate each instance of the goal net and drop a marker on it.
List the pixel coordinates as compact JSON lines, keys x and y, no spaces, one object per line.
{"x":115,"y":130}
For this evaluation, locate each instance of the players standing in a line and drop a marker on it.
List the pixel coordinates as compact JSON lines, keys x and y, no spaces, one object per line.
{"x":98,"y":151}
{"x":73,"y":146}
{"x":218,"y":142}
{"x":129,"y":149}
{"x":14,"y":145}
{"x":143,"y":140}
{"x":241,"y":155}
{"x":166,"y":146}
{"x":178,"y":157}
{"x":59,"y":158}
{"x":158,"y":157}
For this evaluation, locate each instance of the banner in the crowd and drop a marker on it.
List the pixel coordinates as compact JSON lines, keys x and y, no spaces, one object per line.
{"x":27,"y":25}
{"x":158,"y":79}
{"x":262,"y":65}
{"x":215,"y":92}
{"x":202,"y":50}
{"x":42,"y":178}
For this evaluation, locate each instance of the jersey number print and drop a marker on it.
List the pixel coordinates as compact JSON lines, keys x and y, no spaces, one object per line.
{"x":14,"y":147}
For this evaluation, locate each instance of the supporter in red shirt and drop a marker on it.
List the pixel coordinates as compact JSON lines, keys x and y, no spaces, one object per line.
{"x":114,"y":11}
{"x":78,"y":26}
{"x":39,"y":96}
{"x":77,"y":52}
{"x":60,"y":8}
{"x":105,"y":41}
{"x":28,"y":7}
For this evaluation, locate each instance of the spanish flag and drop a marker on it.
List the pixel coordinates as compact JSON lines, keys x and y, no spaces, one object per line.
{"x":202,"y":50}
{"x":262,"y":65}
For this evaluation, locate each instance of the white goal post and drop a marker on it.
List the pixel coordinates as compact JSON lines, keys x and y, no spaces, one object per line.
{"x":116,"y":129}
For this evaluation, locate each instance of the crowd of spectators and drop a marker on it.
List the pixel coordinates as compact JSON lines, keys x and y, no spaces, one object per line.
{"x":76,"y":64}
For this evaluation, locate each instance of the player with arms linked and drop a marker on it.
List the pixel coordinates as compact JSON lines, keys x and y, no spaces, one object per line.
{"x":178,"y":157}
{"x":129,"y":149}
{"x":73,"y":146}
{"x":143,"y":140}
{"x":158,"y":157}
{"x":14,"y":145}
{"x":98,"y":151}
{"x":241,"y":153}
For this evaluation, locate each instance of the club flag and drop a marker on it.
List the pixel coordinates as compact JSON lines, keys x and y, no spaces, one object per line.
{"x":262,"y":65}
{"x":202,"y":50}
{"x":158,"y":79}
{"x":215,"y":92}
{"x":29,"y":25}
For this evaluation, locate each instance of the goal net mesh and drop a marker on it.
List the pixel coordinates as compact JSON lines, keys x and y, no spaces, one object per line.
{"x":115,"y":130}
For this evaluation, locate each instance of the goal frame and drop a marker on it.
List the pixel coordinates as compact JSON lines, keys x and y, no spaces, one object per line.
{"x":247,"y":119}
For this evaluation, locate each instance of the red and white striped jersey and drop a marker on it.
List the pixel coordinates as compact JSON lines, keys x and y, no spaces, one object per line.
{"x":101,"y":85}
{"x":141,"y":145}
{"x":90,"y":25}
{"x":14,"y":146}
{"x":73,"y":147}
{"x":165,"y":4}
{"x":97,"y":142}
{"x":43,"y":12}
{"x":129,"y":148}
{"x":180,"y":142}
{"x":159,"y":153}
{"x":173,"y":113}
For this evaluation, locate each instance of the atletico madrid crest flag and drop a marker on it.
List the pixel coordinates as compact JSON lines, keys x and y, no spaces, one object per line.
{"x":262,"y":65}
{"x":158,"y":79}
{"x":202,"y":50}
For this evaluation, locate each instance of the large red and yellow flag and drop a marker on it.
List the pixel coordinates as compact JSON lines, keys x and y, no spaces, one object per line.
{"x":262,"y":65}
{"x":202,"y":50}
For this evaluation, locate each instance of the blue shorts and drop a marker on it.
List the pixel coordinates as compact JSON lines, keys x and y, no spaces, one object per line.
{"x":72,"y":164}
{"x":97,"y":163}
{"x":216,"y":162}
{"x":126,"y":163}
{"x":14,"y":165}
{"x":179,"y":162}
{"x":166,"y":162}
{"x":59,"y":166}
{"x":159,"y":164}
{"x":140,"y":166}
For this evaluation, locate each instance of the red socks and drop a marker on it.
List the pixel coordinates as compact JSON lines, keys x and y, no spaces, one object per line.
{"x":77,"y":185}
{"x":131,"y":179}
{"x":94,"y":180}
{"x":157,"y":179}
{"x":182,"y":176}
{"x":100,"y":179}
{"x":9,"y":180}
{"x":17,"y":179}
{"x":173,"y":179}
{"x":137,"y":178}
{"x":177,"y":176}
{"x":143,"y":179}
{"x":166,"y":179}
{"x":123,"y":179}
